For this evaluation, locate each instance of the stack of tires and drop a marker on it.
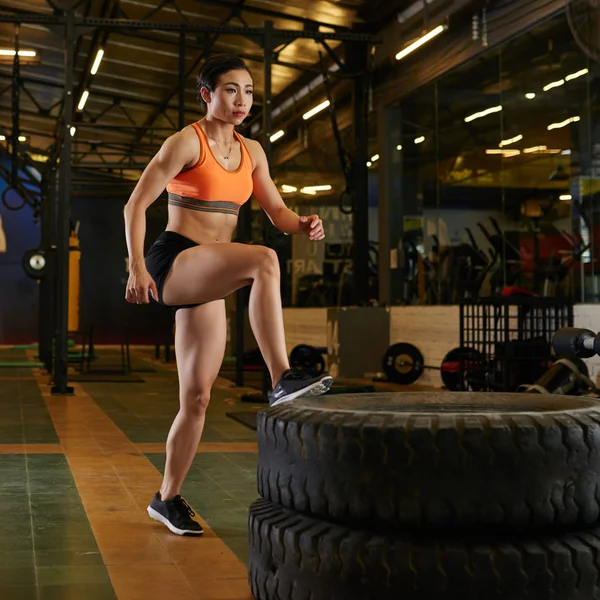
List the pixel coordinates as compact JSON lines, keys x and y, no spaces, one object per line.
{"x":428,"y":496}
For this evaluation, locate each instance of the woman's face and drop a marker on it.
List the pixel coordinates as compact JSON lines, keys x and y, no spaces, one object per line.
{"x":232,"y":99}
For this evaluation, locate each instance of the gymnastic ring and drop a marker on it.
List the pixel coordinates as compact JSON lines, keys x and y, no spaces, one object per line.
{"x":19,"y":192}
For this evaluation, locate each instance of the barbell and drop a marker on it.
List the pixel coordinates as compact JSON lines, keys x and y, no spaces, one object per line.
{"x":404,"y":364}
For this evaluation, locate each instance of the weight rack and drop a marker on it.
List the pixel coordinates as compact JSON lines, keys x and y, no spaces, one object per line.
{"x":514,"y":336}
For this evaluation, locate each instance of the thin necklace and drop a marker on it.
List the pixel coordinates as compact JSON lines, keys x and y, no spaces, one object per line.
{"x":225,"y":158}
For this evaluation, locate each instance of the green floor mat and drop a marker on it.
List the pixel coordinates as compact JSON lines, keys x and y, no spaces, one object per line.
{"x":245,"y":417}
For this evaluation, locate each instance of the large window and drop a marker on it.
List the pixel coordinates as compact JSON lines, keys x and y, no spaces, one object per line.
{"x":499,"y":174}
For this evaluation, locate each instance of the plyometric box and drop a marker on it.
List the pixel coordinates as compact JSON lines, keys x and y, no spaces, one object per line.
{"x":357,"y":339}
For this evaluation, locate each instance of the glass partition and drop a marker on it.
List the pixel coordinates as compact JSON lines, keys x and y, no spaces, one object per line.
{"x":499,"y":176}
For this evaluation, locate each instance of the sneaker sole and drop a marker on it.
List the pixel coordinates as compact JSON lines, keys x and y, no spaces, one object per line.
{"x":158,"y":517}
{"x":316,"y":389}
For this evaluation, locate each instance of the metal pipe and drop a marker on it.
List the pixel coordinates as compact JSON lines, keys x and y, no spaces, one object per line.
{"x":14,"y":177}
{"x":267,"y":121}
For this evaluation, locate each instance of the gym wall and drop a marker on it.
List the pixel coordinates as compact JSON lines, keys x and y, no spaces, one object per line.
{"x":413,"y":324}
{"x":18,"y":292}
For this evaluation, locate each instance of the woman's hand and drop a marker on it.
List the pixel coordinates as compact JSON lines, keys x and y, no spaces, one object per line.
{"x":138,"y":286}
{"x":312,"y":226}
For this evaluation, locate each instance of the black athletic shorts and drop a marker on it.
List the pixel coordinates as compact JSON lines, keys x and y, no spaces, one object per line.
{"x":160,"y":257}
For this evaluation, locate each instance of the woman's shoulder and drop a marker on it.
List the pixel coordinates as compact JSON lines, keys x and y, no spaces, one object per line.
{"x":250,"y":143}
{"x":254,"y":148}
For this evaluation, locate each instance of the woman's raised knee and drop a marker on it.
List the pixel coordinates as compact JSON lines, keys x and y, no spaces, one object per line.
{"x":268,"y":261}
{"x":196,"y":403}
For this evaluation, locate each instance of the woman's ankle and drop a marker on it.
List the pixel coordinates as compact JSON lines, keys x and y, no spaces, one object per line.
{"x":167,"y":494}
{"x":276,"y":375}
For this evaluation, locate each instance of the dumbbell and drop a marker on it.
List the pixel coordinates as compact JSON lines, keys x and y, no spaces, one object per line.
{"x":574,"y":342}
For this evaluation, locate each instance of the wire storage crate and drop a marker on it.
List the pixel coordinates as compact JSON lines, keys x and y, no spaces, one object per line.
{"x":507,"y":342}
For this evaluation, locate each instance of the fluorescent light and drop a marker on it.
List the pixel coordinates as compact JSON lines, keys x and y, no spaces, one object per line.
{"x":399,"y":147}
{"x":288,"y":189}
{"x":576,"y":75}
{"x":73,"y":130}
{"x":21,"y":138}
{"x":375,"y":157}
{"x":535,"y":149}
{"x":28,"y":53}
{"x":315,"y":110}
{"x":97,"y":61}
{"x":514,"y":140}
{"x":554,"y":84}
{"x":566,"y":197}
{"x":369,"y":163}
{"x":277,"y":135}
{"x":530,"y":96}
{"x":563,"y":123}
{"x":483,"y":113}
{"x":505,"y":153}
{"x":423,"y":40}
{"x":84,"y":96}
{"x":420,"y":140}
{"x":309,"y":192}
{"x":317,"y":188}
{"x":566,"y":153}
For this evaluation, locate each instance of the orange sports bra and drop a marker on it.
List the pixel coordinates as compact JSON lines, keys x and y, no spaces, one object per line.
{"x":208,"y":186}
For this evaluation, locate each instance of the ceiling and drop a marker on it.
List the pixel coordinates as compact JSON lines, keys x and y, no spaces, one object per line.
{"x":133,"y":102}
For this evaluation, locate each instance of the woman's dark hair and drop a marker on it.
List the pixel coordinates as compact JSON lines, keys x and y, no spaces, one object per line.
{"x":213,"y":68}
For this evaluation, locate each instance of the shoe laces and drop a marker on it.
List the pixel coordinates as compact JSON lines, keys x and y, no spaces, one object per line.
{"x":184,"y":507}
{"x":296,"y":374}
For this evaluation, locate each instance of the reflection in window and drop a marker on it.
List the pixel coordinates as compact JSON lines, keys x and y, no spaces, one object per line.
{"x":501,"y":163}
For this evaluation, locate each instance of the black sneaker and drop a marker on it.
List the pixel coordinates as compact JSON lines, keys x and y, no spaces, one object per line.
{"x":294,"y":384}
{"x":176,"y":514}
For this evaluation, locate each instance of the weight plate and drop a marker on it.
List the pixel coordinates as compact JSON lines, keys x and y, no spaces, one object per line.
{"x":403,"y":363}
{"x":34,"y":263}
{"x":469,"y":359}
{"x":306,"y":358}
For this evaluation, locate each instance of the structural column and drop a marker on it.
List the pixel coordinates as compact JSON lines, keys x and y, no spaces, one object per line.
{"x":61,"y":337}
{"x":47,"y":244}
{"x":357,"y":61}
{"x":391,"y":259}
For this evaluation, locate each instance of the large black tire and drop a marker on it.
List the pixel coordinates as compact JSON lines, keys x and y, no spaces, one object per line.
{"x":295,"y":557}
{"x":439,"y":460}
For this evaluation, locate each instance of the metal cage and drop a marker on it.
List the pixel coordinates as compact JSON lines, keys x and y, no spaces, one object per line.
{"x":510,"y":340}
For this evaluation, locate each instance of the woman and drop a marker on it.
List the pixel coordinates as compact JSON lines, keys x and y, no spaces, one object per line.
{"x":209,"y":171}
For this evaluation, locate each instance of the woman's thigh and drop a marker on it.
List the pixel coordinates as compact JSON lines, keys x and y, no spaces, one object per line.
{"x":200,"y":339}
{"x":212,"y":271}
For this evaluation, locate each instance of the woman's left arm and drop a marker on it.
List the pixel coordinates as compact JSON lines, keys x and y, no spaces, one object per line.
{"x":269,"y":198}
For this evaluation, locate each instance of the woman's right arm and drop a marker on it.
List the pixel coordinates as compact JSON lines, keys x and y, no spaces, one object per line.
{"x":177,"y":152}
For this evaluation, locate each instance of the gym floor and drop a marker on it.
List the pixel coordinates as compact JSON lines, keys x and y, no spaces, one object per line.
{"x":76,"y":475}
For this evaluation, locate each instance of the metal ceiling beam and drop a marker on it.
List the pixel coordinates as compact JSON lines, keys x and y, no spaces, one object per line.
{"x":275,"y":14}
{"x":184,"y":74}
{"x":83,"y":24}
{"x":33,"y":80}
{"x":98,"y":41}
{"x":191,"y":43}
